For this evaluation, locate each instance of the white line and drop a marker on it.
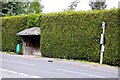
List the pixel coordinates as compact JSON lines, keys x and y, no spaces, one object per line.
{"x":36,"y":77}
{"x":12,"y":72}
{"x":17,"y":62}
{"x":23,"y":74}
{"x":80,"y":73}
{"x":3,"y":70}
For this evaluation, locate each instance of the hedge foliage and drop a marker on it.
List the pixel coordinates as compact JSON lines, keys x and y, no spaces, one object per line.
{"x":76,"y":35}
{"x":1,"y":42}
{"x":70,"y":35}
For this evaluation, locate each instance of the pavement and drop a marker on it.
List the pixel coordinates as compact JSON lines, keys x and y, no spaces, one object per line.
{"x":23,"y":66}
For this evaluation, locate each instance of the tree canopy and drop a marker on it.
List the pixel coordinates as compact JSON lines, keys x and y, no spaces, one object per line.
{"x":16,"y":8}
{"x":35,"y":7}
{"x":72,"y":5}
{"x":12,"y":8}
{"x":97,"y":4}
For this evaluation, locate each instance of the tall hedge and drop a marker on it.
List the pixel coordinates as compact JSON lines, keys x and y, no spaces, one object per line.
{"x":0,"y":34}
{"x":76,"y":35}
{"x":70,"y":35}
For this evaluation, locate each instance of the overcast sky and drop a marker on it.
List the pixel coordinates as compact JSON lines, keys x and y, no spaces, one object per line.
{"x":60,"y":5}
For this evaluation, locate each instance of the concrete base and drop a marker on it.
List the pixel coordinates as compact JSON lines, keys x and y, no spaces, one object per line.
{"x":37,"y":54}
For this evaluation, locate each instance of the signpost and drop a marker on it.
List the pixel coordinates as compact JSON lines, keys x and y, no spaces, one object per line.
{"x":102,"y":42}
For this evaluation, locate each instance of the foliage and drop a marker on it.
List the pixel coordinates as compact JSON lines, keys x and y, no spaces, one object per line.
{"x":72,"y":5}
{"x":10,"y":26}
{"x":76,"y":35}
{"x":16,"y":8}
{"x":0,"y":38}
{"x":35,"y":7}
{"x":97,"y":4}
{"x":12,"y":8}
{"x":70,"y":35}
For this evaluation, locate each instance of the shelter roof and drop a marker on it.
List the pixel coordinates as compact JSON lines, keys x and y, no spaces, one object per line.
{"x":30,"y":31}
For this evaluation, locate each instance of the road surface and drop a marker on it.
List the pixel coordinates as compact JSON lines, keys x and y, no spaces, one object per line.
{"x":18,"y":66}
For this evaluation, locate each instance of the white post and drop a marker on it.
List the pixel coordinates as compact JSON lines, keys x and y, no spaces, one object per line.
{"x":101,"y":57}
{"x":102,"y":43}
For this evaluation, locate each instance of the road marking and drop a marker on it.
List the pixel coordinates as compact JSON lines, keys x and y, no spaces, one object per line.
{"x":36,"y":77}
{"x":23,"y":74}
{"x":17,"y":62}
{"x":64,"y":70}
{"x":12,"y":72}
{"x":3,"y":70}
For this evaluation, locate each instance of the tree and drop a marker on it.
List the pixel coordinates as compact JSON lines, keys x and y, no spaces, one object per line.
{"x":16,"y":8}
{"x":12,"y":8}
{"x":35,"y":7}
{"x":72,"y":5}
{"x":97,"y":4}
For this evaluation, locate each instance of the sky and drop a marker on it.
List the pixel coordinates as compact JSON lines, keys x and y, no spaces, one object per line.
{"x":59,"y":5}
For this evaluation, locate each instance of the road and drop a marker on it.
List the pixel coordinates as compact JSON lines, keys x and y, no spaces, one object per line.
{"x":18,"y":66}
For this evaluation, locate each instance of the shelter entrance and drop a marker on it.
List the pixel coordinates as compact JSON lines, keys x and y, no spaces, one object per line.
{"x":31,"y":41}
{"x":31,"y":44}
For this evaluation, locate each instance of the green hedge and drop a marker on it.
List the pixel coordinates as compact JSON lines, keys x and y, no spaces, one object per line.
{"x":76,"y":35}
{"x":70,"y":35}
{"x":0,"y":38}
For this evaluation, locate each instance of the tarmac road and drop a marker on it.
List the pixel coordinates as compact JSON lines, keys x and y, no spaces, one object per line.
{"x":18,"y":66}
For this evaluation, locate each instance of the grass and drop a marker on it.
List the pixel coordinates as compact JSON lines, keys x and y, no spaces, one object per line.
{"x":13,"y":53}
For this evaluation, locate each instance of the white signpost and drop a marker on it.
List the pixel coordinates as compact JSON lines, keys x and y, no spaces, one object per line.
{"x":102,"y":42}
